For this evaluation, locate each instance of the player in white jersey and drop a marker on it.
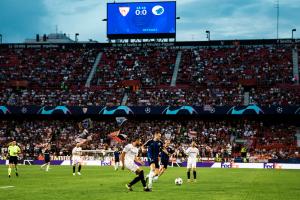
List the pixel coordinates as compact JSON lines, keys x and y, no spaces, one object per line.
{"x":128,"y":158}
{"x":76,"y":159}
{"x":192,"y":152}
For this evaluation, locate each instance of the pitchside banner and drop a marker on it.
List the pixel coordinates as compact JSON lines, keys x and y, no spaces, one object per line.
{"x":149,"y":110}
{"x":174,"y":164}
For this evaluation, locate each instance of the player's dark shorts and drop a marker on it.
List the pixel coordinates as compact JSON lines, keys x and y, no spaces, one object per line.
{"x":155,"y":161}
{"x":244,"y":154}
{"x":117,"y":160}
{"x":165,"y":163}
{"x":225,"y":155}
{"x":47,"y":159}
{"x":13,"y":160}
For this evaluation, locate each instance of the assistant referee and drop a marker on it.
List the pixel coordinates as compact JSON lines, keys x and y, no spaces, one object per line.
{"x":13,"y":151}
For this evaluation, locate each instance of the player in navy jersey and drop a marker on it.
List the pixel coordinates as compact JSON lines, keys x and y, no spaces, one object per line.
{"x":117,"y":158}
{"x":154,"y":147}
{"x":165,"y":155}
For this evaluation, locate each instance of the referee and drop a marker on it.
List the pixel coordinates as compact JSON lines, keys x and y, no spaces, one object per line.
{"x":13,"y":151}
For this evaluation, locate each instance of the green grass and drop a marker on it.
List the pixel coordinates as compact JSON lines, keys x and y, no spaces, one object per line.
{"x":105,"y":183}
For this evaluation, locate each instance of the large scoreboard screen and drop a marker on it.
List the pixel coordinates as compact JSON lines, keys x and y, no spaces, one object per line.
{"x":141,"y":20}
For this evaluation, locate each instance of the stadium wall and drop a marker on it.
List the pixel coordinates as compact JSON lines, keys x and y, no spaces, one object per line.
{"x":216,"y":43}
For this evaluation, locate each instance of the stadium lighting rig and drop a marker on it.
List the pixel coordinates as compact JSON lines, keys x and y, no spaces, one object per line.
{"x":294,"y":30}
{"x":208,"y":35}
{"x":76,"y":37}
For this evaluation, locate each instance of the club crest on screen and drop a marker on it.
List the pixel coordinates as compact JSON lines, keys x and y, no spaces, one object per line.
{"x":124,"y":11}
{"x":158,"y":10}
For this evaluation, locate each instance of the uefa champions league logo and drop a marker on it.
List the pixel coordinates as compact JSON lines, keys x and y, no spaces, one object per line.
{"x":4,"y":110}
{"x":120,"y":109}
{"x":243,"y":110}
{"x":147,"y":110}
{"x":24,"y":110}
{"x":58,"y":109}
{"x":183,"y":109}
{"x":279,"y":110}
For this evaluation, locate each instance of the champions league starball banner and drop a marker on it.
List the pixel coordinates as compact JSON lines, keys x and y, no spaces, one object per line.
{"x":123,"y":111}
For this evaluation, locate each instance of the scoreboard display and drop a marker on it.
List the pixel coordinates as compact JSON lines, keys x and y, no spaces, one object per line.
{"x":141,"y":20}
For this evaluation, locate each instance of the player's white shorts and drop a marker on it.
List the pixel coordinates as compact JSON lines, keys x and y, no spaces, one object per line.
{"x":192,"y":163}
{"x":76,"y":160}
{"x":131,"y":166}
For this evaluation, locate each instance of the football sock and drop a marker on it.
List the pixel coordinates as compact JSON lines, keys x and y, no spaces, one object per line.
{"x":195,"y":174}
{"x":9,"y":171}
{"x":74,"y":169}
{"x":134,"y":181}
{"x":47,"y":168}
{"x":142,"y":178}
{"x":79,"y":168}
{"x":151,"y":175}
{"x":188,"y":174}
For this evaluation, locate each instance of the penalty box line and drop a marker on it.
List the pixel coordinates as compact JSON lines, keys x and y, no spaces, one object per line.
{"x":6,"y":187}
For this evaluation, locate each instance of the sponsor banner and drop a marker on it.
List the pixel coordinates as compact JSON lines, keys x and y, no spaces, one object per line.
{"x":224,"y":165}
{"x":52,"y":162}
{"x":118,"y":111}
{"x":89,"y":163}
{"x":199,"y":164}
{"x":3,"y":162}
{"x":256,"y":165}
{"x":287,"y":166}
{"x":241,"y":165}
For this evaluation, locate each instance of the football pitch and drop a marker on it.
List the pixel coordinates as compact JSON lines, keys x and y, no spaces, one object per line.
{"x":105,"y":183}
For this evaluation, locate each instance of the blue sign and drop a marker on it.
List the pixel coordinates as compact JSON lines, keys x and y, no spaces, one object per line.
{"x":189,"y":109}
{"x":170,"y":111}
{"x":4,"y":110}
{"x":109,"y":111}
{"x":250,"y":108}
{"x":59,"y":109}
{"x":141,"y":18}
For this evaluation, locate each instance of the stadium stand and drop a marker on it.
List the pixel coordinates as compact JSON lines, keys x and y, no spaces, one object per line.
{"x":207,"y":76}
{"x":268,"y":140}
{"x":217,"y":76}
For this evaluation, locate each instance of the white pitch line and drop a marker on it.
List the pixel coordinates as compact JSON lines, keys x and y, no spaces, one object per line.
{"x":5,"y":187}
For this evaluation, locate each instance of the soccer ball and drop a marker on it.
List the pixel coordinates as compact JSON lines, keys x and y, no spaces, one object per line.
{"x":178,"y":181}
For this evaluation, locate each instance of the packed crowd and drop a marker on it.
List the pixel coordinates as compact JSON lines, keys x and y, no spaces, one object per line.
{"x":207,"y":76}
{"x":151,"y":66}
{"x":225,"y":67}
{"x":46,"y":68}
{"x":188,"y":96}
{"x":261,"y":140}
{"x":150,"y":97}
{"x":275,"y":96}
{"x":52,"y":97}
